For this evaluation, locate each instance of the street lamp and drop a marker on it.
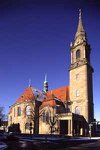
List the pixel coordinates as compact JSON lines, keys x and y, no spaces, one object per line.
{"x":90,"y":129}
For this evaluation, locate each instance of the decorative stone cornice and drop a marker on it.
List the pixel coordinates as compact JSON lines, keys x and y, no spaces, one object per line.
{"x":80,"y":63}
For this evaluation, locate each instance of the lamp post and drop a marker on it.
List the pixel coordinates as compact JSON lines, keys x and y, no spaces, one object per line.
{"x":90,"y":129}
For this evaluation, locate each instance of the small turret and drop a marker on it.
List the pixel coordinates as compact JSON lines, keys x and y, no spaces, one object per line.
{"x":45,"y":84}
{"x":29,"y":82}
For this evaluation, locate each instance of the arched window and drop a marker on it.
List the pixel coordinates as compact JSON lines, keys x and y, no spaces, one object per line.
{"x":28,"y":110}
{"x":11,"y":119}
{"x":30,"y":125}
{"x":43,"y":115}
{"x":18,"y":111}
{"x":77,"y":110}
{"x":77,"y":93}
{"x":27,"y":125}
{"x":14,"y":112}
{"x":47,"y":117}
{"x":78,"y":54}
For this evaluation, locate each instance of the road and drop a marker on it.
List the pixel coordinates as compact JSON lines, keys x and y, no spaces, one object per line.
{"x":23,"y":145}
{"x":88,"y":146}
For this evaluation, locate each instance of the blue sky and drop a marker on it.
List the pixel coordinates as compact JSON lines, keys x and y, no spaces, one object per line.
{"x":35,"y":40}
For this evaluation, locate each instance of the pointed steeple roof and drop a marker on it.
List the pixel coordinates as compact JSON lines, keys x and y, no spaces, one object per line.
{"x":80,"y":23}
{"x":31,"y":94}
{"x":27,"y":95}
{"x":61,"y":94}
{"x":45,"y":81}
{"x":80,"y":29}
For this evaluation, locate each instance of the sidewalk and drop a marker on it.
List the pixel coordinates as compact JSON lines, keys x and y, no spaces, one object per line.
{"x":59,"y":139}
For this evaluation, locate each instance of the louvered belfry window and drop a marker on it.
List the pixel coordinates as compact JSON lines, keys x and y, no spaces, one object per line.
{"x":78,"y":54}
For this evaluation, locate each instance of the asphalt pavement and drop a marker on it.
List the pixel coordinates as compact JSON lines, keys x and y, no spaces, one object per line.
{"x":38,"y":145}
{"x":86,"y":146}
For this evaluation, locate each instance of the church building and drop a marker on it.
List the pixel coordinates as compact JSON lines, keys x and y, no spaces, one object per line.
{"x":66,"y":110}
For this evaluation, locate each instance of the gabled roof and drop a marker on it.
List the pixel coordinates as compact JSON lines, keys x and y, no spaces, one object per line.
{"x":27,"y":95}
{"x":53,"y":96}
{"x":49,"y":102}
{"x":60,"y":94}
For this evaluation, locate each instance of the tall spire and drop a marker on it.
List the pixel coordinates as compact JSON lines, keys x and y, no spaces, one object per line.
{"x":80,"y":29}
{"x":29,"y":82}
{"x":45,"y":84}
{"x":45,"y":78}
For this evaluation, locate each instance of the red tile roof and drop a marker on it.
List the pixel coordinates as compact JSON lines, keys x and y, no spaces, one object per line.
{"x":50,"y":102}
{"x":27,"y":95}
{"x":60,"y":93}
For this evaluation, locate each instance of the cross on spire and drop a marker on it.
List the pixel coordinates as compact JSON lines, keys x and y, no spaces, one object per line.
{"x":80,"y":28}
{"x":80,"y":14}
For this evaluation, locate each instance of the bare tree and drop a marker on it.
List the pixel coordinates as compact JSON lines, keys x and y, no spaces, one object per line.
{"x":2,"y":115}
{"x":52,"y":119}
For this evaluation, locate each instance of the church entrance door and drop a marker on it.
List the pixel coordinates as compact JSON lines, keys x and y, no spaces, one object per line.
{"x":63,"y":126}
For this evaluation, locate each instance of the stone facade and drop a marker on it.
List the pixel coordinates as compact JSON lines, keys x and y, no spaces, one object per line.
{"x":22,"y":118}
{"x":66,"y":110}
{"x":80,"y":72}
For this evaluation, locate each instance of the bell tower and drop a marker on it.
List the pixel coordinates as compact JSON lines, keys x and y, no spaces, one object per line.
{"x":80,"y":72}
